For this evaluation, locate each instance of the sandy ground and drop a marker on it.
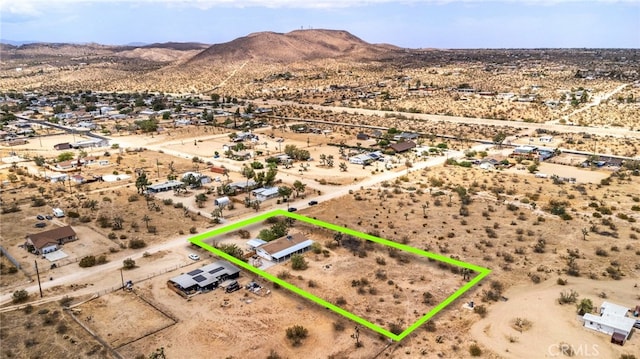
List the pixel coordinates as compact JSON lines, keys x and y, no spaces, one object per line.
{"x":553,"y":323}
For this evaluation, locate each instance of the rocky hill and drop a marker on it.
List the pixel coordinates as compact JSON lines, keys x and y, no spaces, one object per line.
{"x":299,"y":45}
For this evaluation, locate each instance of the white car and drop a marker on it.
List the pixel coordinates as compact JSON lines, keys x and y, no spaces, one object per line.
{"x":195,"y":257}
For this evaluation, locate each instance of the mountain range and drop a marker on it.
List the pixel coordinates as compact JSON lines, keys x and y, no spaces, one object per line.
{"x":267,"y":47}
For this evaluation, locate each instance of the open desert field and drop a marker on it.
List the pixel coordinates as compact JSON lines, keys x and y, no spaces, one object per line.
{"x":423,"y":147}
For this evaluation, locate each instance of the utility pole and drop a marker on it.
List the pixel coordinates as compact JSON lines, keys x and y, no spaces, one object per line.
{"x":158,"y":167}
{"x":38,"y":275}
{"x":122,"y":278}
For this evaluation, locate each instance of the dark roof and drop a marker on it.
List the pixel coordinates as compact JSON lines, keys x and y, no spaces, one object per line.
{"x":40,"y":240}
{"x":402,"y":146}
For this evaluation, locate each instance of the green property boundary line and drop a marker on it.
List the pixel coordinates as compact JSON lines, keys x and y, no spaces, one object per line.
{"x":482,"y":272}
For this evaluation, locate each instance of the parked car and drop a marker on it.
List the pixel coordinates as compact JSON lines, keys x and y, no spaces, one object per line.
{"x":232,"y":287}
{"x":292,"y":209}
{"x":637,"y":324}
{"x":40,"y":225}
{"x":313,"y":203}
{"x":194,"y":257}
{"x":40,"y":217}
{"x":48,"y":217}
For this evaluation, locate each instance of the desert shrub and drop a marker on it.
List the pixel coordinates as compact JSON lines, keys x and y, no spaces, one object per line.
{"x":395,"y":328}
{"x":475,"y":350}
{"x":298,"y":262}
{"x":193,"y":230}
{"x":296,"y":333}
{"x":62,"y":328}
{"x":601,"y":252}
{"x":65,"y":301}
{"x":568,"y":297}
{"x":88,"y":261}
{"x":133,"y":198}
{"x":272,"y":355}
{"x":338,"y":326}
{"x":20,"y":296}
{"x":137,"y":243}
{"x":341,"y":301}
{"x":316,"y":248}
{"x":167,"y":201}
{"x":112,"y":236}
{"x":561,"y":281}
{"x":481,"y":310}
{"x":128,"y":263}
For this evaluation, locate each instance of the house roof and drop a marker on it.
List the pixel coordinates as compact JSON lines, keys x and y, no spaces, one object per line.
{"x":286,"y":245}
{"x":403,"y":146}
{"x":42,"y":239}
{"x":256,"y":242}
{"x":613,"y":309}
{"x":621,"y":324}
{"x":206,"y":275}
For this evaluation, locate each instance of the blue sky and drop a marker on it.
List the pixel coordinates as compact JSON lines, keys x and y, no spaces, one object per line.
{"x":406,"y":23}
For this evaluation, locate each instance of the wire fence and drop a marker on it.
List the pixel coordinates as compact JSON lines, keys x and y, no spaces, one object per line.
{"x":10,"y":258}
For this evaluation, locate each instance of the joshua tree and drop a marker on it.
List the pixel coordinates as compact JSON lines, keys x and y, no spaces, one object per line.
{"x":299,"y":187}
{"x":585,"y":233}
{"x":146,"y":219}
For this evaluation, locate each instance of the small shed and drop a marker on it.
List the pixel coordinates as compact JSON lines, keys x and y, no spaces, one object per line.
{"x":222,"y":201}
{"x":255,"y":243}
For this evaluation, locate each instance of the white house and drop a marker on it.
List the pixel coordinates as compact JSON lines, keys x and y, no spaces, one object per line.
{"x":263,"y":194}
{"x":546,"y":139}
{"x":612,"y":321}
{"x":361,"y":159}
{"x":610,"y":324}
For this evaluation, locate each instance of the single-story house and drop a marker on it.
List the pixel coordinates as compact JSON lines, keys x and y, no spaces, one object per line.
{"x":283,"y":248}
{"x":402,"y":146}
{"x":163,"y":187}
{"x":618,"y":327}
{"x":406,"y":136}
{"x":93,"y":142}
{"x":243,"y":186}
{"x":361,"y":159}
{"x":612,"y":321}
{"x":48,"y":241}
{"x":263,"y":194}
{"x":204,"y":279}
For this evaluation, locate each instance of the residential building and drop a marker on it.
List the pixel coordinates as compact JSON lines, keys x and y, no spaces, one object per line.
{"x":283,"y":248}
{"x":204,"y":279}
{"x":49,"y":241}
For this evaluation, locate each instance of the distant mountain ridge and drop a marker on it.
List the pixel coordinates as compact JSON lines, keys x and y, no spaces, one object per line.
{"x":298,"y":45}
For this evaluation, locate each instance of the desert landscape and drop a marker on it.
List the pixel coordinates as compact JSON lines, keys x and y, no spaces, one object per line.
{"x":525,"y":162}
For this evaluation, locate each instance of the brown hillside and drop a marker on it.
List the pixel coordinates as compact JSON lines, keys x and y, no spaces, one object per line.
{"x":299,"y":45}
